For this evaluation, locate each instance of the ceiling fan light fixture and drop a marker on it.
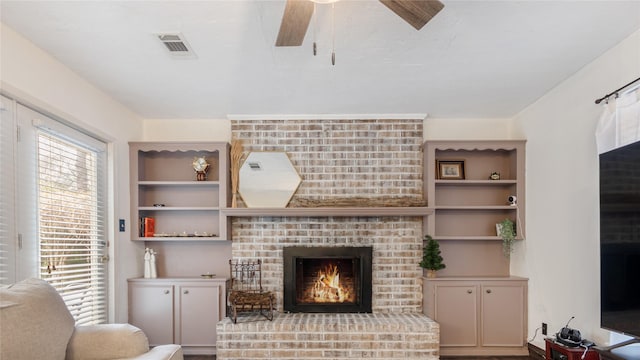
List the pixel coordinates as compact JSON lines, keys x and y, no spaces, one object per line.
{"x":298,"y":13}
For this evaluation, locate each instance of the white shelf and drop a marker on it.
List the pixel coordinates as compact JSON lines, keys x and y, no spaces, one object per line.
{"x":473,"y":207}
{"x":178,"y":183}
{"x":475,"y":182}
{"x":181,"y":238}
{"x":467,"y":210}
{"x":473,"y":238}
{"x":178,"y":208}
{"x":161,"y":173}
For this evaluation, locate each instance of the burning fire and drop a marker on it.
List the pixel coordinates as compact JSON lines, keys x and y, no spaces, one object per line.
{"x":327,"y":287}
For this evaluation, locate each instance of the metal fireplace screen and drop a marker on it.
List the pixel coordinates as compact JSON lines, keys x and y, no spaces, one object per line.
{"x":327,"y":279}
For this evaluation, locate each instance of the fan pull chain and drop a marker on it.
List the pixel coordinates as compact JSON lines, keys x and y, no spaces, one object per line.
{"x":315,"y":30}
{"x":333,"y":34}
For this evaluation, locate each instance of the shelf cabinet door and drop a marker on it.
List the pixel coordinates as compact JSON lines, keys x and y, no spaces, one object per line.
{"x":503,"y":312}
{"x":151,"y":309}
{"x":456,"y":312}
{"x":478,"y":317}
{"x":198,"y":314}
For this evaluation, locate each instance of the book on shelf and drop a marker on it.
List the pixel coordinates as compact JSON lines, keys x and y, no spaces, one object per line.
{"x":147,"y":226}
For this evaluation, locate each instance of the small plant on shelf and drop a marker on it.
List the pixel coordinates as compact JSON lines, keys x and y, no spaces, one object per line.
{"x":507,"y":231}
{"x":431,"y":258}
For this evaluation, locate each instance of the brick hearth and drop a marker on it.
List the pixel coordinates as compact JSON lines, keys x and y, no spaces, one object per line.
{"x":329,"y":336}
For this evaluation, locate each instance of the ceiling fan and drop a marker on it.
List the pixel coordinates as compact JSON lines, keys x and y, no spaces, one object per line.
{"x":297,"y":15}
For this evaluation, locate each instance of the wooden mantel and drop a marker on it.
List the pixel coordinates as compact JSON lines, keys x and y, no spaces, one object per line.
{"x":329,"y":211}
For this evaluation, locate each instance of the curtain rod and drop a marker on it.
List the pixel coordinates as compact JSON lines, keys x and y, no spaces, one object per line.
{"x":615,"y":92}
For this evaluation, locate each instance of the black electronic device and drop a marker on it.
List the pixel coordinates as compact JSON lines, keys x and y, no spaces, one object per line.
{"x":568,"y":336}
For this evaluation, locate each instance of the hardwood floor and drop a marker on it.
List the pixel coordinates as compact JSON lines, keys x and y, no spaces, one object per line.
{"x":212,"y":357}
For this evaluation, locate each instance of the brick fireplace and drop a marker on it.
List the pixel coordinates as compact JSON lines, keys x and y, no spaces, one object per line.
{"x":339,"y":159}
{"x":396,"y":244}
{"x":342,"y":159}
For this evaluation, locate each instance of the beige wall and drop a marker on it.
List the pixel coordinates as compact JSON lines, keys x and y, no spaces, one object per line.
{"x":467,"y":129}
{"x":30,"y":74}
{"x":562,"y":193}
{"x":186,"y":130}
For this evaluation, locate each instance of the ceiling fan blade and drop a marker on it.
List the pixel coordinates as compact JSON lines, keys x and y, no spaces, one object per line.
{"x":295,"y":21}
{"x":416,"y":12}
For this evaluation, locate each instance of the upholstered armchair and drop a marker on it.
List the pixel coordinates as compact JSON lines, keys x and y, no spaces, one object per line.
{"x":36,"y":324}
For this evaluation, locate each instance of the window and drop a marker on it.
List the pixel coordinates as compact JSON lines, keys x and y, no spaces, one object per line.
{"x":71,"y":224}
{"x":7,"y":192}
{"x":59,"y":206}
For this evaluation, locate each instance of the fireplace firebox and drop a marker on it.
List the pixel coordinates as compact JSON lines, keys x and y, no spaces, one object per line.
{"x":327,"y":279}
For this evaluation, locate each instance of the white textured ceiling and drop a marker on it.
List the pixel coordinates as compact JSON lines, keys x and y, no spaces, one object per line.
{"x":474,"y":59}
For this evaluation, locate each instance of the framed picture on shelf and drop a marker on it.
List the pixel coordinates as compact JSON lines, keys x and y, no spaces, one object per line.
{"x":451,"y":169}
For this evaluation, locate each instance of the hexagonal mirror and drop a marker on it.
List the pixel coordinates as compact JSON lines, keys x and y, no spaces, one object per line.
{"x":267,"y":179}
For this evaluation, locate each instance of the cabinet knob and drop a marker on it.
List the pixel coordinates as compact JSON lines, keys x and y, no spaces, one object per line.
{"x":488,"y":291}
{"x":186,"y":292}
{"x":166,"y":292}
{"x":469,"y":291}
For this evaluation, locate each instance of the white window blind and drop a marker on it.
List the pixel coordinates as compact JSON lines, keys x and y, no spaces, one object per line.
{"x":7,"y":191}
{"x":72,"y":218}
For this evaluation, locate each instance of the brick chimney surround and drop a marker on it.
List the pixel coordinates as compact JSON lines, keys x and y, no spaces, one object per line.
{"x":339,"y":159}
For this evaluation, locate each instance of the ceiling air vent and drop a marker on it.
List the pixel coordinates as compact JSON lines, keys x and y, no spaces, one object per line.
{"x":255,"y":166}
{"x":176,"y":45}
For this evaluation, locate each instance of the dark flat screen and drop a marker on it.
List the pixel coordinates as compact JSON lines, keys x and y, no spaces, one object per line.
{"x":620,"y":239}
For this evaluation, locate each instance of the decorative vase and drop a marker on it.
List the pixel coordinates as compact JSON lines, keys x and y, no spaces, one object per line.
{"x":152,"y":264}
{"x":147,"y":263}
{"x":431,"y":273}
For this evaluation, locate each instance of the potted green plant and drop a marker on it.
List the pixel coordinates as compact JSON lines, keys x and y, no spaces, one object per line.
{"x":431,"y":259}
{"x":507,"y":231}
